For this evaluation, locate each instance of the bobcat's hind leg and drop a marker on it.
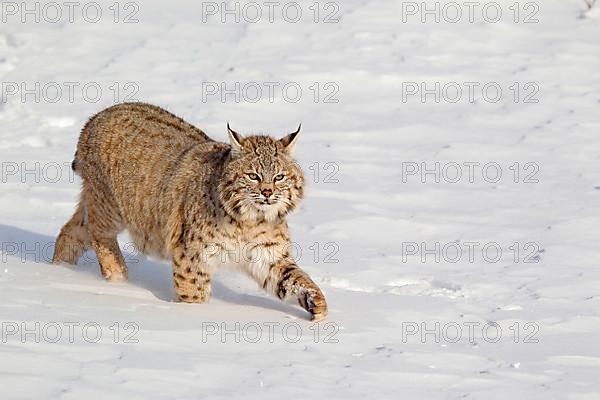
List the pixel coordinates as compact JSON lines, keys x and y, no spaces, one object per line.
{"x":191,"y":278}
{"x":110,"y":258}
{"x":103,"y":230}
{"x":73,"y":239}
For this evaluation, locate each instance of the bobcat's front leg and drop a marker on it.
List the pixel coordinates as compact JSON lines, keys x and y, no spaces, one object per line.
{"x":285,"y":279}
{"x":192,"y":279}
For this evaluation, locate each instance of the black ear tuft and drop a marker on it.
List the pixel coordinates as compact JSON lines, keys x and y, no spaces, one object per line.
{"x":236,"y":139}
{"x":289,"y":141}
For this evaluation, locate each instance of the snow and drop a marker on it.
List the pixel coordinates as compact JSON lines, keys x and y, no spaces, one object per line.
{"x":368,"y":228}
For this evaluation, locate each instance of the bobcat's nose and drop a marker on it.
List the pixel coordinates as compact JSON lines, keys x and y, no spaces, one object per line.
{"x":267,"y":192}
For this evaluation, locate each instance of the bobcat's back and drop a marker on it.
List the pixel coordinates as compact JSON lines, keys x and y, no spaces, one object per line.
{"x":131,"y":157}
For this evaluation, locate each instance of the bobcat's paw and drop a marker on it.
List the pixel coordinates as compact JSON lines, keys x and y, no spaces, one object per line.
{"x":115,"y":275}
{"x":113,"y":271}
{"x":196,"y":297}
{"x":313,"y":301}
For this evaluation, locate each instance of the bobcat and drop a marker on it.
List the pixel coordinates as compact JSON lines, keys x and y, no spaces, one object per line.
{"x":190,"y":199}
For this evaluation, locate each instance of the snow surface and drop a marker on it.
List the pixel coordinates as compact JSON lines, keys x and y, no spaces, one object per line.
{"x":365,"y":215}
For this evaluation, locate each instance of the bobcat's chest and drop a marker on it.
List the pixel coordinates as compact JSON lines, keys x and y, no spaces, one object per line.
{"x":235,"y":246}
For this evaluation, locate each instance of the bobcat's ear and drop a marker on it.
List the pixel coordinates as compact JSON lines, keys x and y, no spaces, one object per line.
{"x":235,"y":139}
{"x":289,"y":141}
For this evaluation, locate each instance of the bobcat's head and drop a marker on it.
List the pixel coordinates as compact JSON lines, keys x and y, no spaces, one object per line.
{"x":261,"y":181}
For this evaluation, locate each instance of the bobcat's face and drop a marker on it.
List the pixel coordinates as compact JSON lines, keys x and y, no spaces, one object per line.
{"x":262,"y":181}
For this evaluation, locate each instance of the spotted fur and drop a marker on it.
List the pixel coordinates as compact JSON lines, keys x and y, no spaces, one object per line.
{"x":183,"y":196}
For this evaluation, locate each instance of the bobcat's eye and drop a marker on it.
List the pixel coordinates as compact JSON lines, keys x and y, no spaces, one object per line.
{"x":278,"y":177}
{"x":253,"y":177}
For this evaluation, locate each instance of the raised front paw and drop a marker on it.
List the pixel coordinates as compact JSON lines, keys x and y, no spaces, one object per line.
{"x":313,"y":301}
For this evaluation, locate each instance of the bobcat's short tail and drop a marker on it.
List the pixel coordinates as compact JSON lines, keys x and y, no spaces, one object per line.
{"x":74,"y":163}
